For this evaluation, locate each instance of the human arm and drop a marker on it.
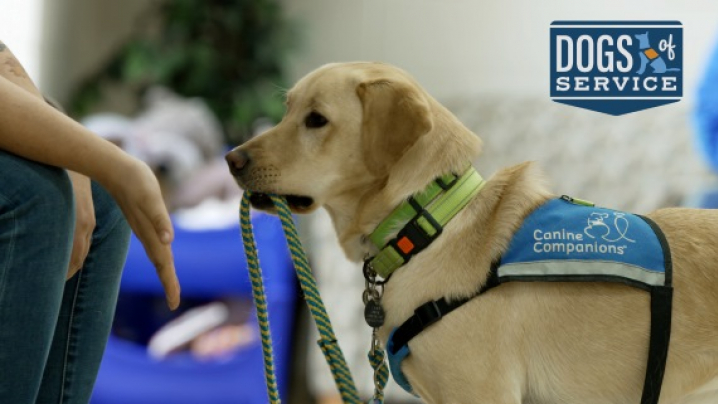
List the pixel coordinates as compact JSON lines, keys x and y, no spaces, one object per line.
{"x":11,"y":69}
{"x":25,"y":121}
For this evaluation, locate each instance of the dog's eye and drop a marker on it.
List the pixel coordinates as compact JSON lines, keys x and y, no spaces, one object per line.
{"x":315,"y":120}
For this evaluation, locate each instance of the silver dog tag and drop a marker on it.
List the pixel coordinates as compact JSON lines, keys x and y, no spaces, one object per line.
{"x":374,"y":314}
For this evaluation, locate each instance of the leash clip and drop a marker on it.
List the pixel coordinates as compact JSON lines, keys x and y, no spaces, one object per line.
{"x":374,"y":314}
{"x":370,"y":275}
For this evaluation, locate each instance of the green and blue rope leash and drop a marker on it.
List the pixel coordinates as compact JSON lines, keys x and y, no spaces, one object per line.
{"x":328,"y":341}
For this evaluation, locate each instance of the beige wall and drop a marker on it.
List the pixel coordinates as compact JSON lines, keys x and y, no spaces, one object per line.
{"x":453,"y":47}
{"x":460,"y":47}
{"x":78,"y":35}
{"x":20,"y":22}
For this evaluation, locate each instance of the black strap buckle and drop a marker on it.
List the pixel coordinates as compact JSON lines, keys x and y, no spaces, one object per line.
{"x":428,"y":313}
{"x":412,"y":239}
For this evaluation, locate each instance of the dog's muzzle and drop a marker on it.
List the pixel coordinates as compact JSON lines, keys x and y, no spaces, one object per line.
{"x":238,"y":162}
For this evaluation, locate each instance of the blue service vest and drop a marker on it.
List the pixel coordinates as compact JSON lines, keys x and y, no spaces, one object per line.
{"x":563,"y":241}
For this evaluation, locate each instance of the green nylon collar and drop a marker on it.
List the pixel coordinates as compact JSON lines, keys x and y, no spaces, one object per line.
{"x":441,"y":201}
{"x":405,"y":212}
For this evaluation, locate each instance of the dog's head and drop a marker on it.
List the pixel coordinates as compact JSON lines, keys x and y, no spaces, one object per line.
{"x":352,"y":131}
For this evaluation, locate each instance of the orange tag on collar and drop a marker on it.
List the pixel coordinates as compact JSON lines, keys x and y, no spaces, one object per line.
{"x":405,"y":245}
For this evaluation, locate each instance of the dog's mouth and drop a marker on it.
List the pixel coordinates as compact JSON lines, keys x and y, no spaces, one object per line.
{"x":297,"y":203}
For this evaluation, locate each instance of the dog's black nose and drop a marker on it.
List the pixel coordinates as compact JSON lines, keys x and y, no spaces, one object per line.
{"x":237,"y":161}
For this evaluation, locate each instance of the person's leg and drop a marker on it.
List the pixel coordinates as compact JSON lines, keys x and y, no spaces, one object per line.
{"x":88,"y":307}
{"x":36,"y":227}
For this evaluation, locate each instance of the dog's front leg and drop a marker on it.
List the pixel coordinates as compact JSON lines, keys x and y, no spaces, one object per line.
{"x":470,"y":382}
{"x":484,"y":394}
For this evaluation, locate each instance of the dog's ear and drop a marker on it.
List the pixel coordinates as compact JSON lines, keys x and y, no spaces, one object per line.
{"x":395,"y":116}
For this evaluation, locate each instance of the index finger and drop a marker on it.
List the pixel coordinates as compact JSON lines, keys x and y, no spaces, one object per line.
{"x":168,"y":276}
{"x":160,"y":254}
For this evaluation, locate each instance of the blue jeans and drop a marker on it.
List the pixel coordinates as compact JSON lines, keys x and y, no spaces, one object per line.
{"x":53,"y":332}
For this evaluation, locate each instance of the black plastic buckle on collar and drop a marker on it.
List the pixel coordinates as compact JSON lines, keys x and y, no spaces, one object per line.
{"x":416,"y":235}
{"x":446,"y":186}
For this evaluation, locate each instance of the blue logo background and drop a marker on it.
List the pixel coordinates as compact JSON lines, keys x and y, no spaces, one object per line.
{"x":655,"y":56}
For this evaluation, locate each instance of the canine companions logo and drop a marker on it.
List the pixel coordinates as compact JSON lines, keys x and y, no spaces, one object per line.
{"x":616,"y":67}
{"x":570,"y":241}
{"x":596,"y":221}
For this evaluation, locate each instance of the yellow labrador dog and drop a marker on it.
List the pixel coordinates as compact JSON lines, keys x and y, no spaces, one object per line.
{"x":359,"y":138}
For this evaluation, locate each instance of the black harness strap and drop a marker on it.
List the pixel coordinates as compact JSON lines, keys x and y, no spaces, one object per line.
{"x":661,"y":302}
{"x":661,"y":309}
{"x":431,"y":312}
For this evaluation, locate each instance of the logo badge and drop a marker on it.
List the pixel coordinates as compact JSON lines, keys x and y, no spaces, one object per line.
{"x":616,"y":67}
{"x":597,"y":223}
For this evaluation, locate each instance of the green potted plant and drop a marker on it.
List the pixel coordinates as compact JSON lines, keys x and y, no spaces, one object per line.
{"x":228,"y":52}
